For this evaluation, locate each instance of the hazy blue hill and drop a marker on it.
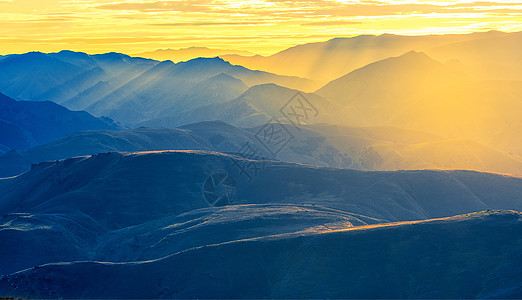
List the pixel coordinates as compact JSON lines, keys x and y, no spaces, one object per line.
{"x":210,"y":91}
{"x":466,"y":256}
{"x":89,"y":96}
{"x":26,"y":76}
{"x":256,"y":106}
{"x":79,"y":59}
{"x":130,"y":89}
{"x":76,"y":86}
{"x":62,"y":76}
{"x":28,"y":123}
{"x":121,"y":62}
{"x":200,"y":66}
{"x":14,"y":137}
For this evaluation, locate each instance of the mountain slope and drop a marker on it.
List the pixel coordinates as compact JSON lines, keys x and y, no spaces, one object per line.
{"x":60,"y":76}
{"x":490,"y":58}
{"x":28,"y":123}
{"x":258,"y":105}
{"x":26,"y":76}
{"x":430,"y":259}
{"x":389,"y":81}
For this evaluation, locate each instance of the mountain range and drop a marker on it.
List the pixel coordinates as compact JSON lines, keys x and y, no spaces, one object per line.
{"x":326,"y":61}
{"x":367,"y":167}
{"x":184,"y":54}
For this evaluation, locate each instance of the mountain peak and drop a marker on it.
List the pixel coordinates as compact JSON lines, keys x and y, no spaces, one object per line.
{"x":224,"y":76}
{"x":413,"y":53}
{"x":112,"y":56}
{"x":27,"y":57}
{"x":204,"y":62}
{"x":216,"y":59}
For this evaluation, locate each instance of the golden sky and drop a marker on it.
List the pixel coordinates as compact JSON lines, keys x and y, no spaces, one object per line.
{"x":259,"y":26}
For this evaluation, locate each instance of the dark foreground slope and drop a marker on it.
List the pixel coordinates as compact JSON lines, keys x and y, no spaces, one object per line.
{"x":120,"y":190}
{"x":469,"y":256}
{"x":141,"y":225}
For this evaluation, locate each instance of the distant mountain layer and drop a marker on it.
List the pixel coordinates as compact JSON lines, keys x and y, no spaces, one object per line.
{"x":184,"y":54}
{"x":368,"y":148}
{"x":129,"y":89}
{"x":488,"y":55}
{"x":310,"y":222}
{"x":25,"y":124}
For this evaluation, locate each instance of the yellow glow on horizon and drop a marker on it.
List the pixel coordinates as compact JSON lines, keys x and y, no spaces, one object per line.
{"x":258,"y":26}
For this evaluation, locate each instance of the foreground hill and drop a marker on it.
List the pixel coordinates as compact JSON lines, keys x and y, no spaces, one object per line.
{"x":469,"y":256}
{"x":111,"y":188}
{"x":169,"y":217}
{"x":25,"y":124}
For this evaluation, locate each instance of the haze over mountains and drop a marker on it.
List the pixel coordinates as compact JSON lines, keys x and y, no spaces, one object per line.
{"x":118,"y":85}
{"x":368,"y":167}
{"x":410,"y":91}
{"x":329,"y":60}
